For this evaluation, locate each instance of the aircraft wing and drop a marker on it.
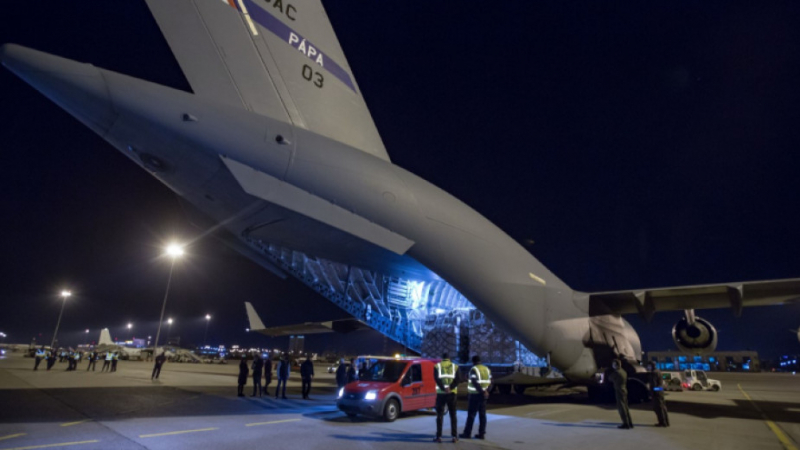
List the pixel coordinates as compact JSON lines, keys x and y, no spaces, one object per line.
{"x":339,"y":326}
{"x":647,"y":302}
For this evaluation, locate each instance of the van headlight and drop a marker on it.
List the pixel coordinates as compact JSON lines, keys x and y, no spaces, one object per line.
{"x":341,"y":392}
{"x":371,"y":395}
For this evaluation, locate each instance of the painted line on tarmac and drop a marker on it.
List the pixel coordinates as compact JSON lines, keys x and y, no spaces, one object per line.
{"x":12,"y":436}
{"x":69,"y":424}
{"x":63,"y":444}
{"x":785,"y":440}
{"x":175,"y":432}
{"x":270,"y":423}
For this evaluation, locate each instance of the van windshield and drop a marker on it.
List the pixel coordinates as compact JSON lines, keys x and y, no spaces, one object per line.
{"x":389,"y":371}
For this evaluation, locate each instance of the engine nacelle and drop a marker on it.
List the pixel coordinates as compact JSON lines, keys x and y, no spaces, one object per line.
{"x":699,"y":337}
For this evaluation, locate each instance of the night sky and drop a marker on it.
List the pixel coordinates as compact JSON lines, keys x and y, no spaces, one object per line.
{"x":627,"y":145}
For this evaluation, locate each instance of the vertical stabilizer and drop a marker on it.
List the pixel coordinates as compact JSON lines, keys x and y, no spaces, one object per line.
{"x":105,"y":337}
{"x":276,"y":58}
{"x":252,"y":316}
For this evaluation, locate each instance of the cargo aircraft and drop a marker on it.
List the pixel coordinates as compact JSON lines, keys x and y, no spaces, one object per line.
{"x":275,"y":146}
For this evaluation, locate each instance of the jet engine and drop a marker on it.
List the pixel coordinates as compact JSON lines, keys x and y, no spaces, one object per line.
{"x":693,"y":334}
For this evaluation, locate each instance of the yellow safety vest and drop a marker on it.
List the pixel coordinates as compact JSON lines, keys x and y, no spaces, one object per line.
{"x":447,"y":373}
{"x":482,"y":374}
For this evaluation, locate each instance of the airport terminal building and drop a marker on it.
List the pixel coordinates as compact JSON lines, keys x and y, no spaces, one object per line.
{"x":742,"y":361}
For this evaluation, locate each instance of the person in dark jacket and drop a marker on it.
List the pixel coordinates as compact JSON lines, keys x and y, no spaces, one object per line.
{"x":656,"y":384}
{"x":243,"y":372}
{"x":306,"y":374}
{"x":283,"y":376}
{"x":619,"y":377}
{"x":51,"y":359}
{"x":267,"y":375}
{"x":258,"y":366}
{"x":160,"y":359}
{"x":92,"y":361}
{"x":352,"y":374}
{"x":341,"y":374}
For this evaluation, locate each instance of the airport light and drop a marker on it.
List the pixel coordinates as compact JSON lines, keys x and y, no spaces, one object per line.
{"x":205,"y":335}
{"x":65,"y":294}
{"x":174,"y":251}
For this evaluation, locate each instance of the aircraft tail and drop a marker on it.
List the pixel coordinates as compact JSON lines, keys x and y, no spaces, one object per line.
{"x":252,"y":316}
{"x":105,"y":337}
{"x":274,"y":58}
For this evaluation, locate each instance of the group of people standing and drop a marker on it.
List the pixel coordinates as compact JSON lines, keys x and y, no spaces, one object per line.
{"x":73,"y":358}
{"x":619,"y":378}
{"x":262,"y":367}
{"x":447,"y":378}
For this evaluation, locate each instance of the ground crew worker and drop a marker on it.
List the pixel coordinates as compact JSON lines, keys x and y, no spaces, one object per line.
{"x":267,"y":374}
{"x":445,"y":373}
{"x":114,"y":359}
{"x":306,"y":374}
{"x":258,"y":366}
{"x":242,"y":376}
{"x":480,"y":378}
{"x":341,"y":375}
{"x":656,"y":384}
{"x":92,"y":361}
{"x":51,"y":359}
{"x":619,"y":377}
{"x":352,"y":374}
{"x":160,"y":359}
{"x":106,"y":362}
{"x":40,"y":355}
{"x":70,"y":361}
{"x":283,"y":376}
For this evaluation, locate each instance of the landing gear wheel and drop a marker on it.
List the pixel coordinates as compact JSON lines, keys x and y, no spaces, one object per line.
{"x":504,"y":389}
{"x":520,"y":389}
{"x":391,"y":410}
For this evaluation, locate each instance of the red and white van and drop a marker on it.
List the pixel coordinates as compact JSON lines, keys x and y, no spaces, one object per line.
{"x":390,"y":387}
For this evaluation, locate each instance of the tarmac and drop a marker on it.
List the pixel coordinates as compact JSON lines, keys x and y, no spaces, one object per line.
{"x":195,"y":406}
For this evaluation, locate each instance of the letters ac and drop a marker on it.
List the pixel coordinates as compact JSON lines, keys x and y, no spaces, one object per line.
{"x":289,"y":11}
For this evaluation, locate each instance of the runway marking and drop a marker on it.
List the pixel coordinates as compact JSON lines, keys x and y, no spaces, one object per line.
{"x":63,"y":444}
{"x":270,"y":423}
{"x":69,"y":424}
{"x":176,"y":432}
{"x":11,"y":436}
{"x":785,"y":440}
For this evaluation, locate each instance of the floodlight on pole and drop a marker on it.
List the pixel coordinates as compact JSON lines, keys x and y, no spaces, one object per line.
{"x":64,"y":294}
{"x":174,"y":251}
{"x":208,"y":319}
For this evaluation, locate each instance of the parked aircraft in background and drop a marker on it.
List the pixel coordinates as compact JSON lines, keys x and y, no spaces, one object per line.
{"x":276,"y":146}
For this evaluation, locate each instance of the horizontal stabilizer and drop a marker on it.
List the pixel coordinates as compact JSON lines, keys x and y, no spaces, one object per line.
{"x":273,"y":190}
{"x":647,"y":302}
{"x":339,"y":326}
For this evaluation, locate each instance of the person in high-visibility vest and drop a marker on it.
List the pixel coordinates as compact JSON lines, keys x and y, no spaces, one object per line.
{"x":40,"y":355}
{"x":106,"y":362}
{"x":445,"y":373}
{"x":480,"y":379}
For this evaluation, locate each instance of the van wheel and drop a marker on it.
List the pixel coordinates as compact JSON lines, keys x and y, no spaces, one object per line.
{"x":351,"y":415}
{"x":696,"y":387}
{"x":391,"y":410}
{"x":715,"y":388}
